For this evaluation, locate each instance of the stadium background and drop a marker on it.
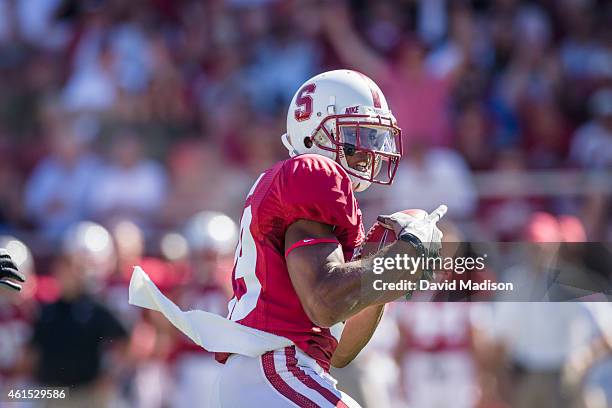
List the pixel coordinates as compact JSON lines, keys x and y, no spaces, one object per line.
{"x":138,"y":115}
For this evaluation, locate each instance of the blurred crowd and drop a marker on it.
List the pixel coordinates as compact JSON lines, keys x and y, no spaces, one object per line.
{"x":130,"y":132}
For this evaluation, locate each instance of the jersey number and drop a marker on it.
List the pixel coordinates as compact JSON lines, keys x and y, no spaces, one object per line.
{"x":245,"y":261}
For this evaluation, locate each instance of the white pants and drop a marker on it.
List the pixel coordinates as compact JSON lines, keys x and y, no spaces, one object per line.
{"x":277,"y":379}
{"x":196,"y":377}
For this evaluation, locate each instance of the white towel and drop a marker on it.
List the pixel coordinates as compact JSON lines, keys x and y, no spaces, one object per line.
{"x":208,"y":330}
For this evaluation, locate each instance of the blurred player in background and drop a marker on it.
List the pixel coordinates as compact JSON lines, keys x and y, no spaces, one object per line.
{"x":362,"y":378}
{"x":148,"y":382}
{"x":436,"y":355}
{"x":211,"y":237}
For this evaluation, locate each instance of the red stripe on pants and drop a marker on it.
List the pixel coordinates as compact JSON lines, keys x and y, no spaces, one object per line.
{"x":309,"y":381}
{"x":267,"y":361}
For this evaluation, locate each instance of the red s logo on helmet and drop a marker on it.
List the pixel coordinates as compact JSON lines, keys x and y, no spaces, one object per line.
{"x":304,"y":102}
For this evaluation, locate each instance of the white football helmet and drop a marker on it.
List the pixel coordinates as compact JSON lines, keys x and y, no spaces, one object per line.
{"x":91,"y":247}
{"x":211,"y":231}
{"x":341,"y":113}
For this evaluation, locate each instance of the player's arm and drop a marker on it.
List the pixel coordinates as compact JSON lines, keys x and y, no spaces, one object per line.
{"x":332,"y":290}
{"x":356,"y":334}
{"x":337,"y":26}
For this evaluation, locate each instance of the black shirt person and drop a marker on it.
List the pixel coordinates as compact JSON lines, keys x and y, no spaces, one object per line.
{"x":70,"y":337}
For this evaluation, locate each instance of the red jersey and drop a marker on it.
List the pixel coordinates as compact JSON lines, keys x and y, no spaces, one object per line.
{"x":310,"y":187}
{"x":435,"y":327}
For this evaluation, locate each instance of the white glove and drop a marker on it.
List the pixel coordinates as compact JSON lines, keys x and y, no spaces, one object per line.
{"x":419,"y":224}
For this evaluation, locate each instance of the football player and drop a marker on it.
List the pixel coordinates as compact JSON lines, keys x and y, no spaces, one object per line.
{"x":293,"y":275}
{"x":211,"y":237}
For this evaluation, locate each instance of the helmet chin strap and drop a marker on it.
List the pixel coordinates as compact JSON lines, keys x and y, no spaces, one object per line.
{"x":288,"y":145}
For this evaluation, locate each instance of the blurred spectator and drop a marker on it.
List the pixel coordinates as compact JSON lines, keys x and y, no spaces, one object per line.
{"x":473,"y":139}
{"x":592,"y":149}
{"x":197,"y":183}
{"x":432,"y":20}
{"x":535,"y":333}
{"x":147,"y":382}
{"x":282,"y":61}
{"x":11,"y":194}
{"x":58,"y":190}
{"x":585,"y":50}
{"x":506,"y":215}
{"x":537,"y":259}
{"x":70,"y":338}
{"x":130,"y":186}
{"x":419,"y":99}
{"x":535,"y":337}
{"x":130,"y":249}
{"x":37,"y":25}
{"x":547,"y":136}
{"x":592,"y":145}
{"x":465,"y":44}
{"x":436,"y":351}
{"x":92,"y":87}
{"x":533,"y":73}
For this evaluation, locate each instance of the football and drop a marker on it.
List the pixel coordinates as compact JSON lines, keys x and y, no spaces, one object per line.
{"x":378,"y":236}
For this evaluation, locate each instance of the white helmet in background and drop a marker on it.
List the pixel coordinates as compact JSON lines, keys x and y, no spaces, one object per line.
{"x":22,"y":256}
{"x":19,"y":252}
{"x":211,"y":231}
{"x":339,"y":113}
{"x":91,"y":245}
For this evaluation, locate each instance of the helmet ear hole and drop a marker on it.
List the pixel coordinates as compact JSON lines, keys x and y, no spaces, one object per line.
{"x":308,"y":142}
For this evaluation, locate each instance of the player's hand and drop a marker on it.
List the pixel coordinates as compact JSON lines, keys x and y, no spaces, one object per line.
{"x":8,"y":272}
{"x":419,"y":224}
